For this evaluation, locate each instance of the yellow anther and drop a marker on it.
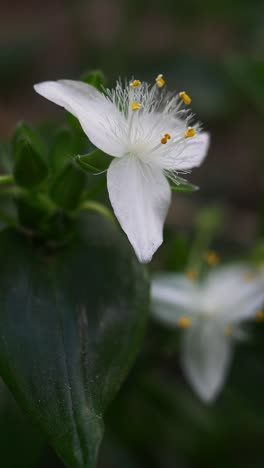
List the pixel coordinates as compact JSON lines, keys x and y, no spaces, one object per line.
{"x":135,"y":83}
{"x":184,"y":322}
{"x":160,"y":81}
{"x":249,"y":276}
{"x":191,"y":275}
{"x":190,"y":132}
{"x":212,"y":258}
{"x":165,"y":138}
{"x":135,"y":106}
{"x":185,"y":97}
{"x":228,"y":330}
{"x":260,"y":315}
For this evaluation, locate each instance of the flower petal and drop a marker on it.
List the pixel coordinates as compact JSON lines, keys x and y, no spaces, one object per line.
{"x":100,"y":119}
{"x":206,"y":356}
{"x":172,"y":297}
{"x":245,"y":288}
{"x":193,"y":153}
{"x":140,"y":196}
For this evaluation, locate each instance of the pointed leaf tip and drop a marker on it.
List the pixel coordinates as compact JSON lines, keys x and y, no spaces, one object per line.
{"x":30,"y":169}
{"x":182,"y":185}
{"x":95,"y":78}
{"x":71,"y":326}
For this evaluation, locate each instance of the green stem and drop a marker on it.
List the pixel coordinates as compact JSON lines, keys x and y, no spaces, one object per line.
{"x":6,"y":179}
{"x":208,"y":222}
{"x":99,"y":208}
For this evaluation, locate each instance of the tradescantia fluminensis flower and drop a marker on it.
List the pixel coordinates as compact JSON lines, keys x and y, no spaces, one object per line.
{"x":210,"y":313}
{"x":148,"y":132}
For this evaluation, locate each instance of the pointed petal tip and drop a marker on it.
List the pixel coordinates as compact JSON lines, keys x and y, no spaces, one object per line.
{"x":206,"y":358}
{"x":145,"y":253}
{"x":45,"y":89}
{"x":140,"y":196}
{"x":144,"y":257}
{"x":37,"y":87}
{"x":207,"y":396}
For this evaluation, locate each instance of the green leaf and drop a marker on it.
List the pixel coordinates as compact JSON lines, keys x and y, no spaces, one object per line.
{"x":247,"y":74}
{"x":71,"y":325}
{"x":182,"y":185}
{"x":19,"y":438}
{"x":95,"y":78}
{"x":68,"y":187}
{"x":63,"y":148}
{"x":94,"y":162}
{"x":30,"y":169}
{"x":23,"y":131}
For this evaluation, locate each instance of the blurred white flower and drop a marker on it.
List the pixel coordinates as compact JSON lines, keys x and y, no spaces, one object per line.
{"x":147,"y":131}
{"x":210,"y":313}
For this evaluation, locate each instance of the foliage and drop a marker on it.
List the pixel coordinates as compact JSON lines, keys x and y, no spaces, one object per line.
{"x":74,"y":299}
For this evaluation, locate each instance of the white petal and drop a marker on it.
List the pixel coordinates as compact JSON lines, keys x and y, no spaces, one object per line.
{"x":101,"y":121}
{"x":237,"y":291}
{"x":206,"y":356}
{"x":193,"y":153}
{"x":172,"y":297}
{"x":140,"y":196}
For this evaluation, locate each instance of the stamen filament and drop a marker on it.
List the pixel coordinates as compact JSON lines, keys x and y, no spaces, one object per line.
{"x":134,"y":107}
{"x":163,"y":141}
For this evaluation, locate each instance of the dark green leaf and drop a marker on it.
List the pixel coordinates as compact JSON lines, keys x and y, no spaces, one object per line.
{"x":68,"y":188}
{"x":63,"y":148}
{"x":71,"y":325}
{"x":248,"y":75}
{"x":30,"y":169}
{"x":95,"y":78}
{"x":23,"y":131}
{"x":182,"y":185}
{"x":19,"y":438}
{"x":95,"y":162}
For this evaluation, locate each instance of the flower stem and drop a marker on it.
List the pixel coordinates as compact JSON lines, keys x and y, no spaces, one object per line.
{"x":99,"y":208}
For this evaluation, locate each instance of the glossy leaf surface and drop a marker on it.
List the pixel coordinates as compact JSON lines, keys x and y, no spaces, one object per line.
{"x":71,"y":325}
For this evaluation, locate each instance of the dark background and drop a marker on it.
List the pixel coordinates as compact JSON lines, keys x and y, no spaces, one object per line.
{"x":214,"y":51}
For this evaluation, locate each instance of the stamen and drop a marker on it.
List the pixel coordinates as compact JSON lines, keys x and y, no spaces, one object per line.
{"x":260,"y":315}
{"x":185,"y":97}
{"x":165,"y":138}
{"x":190,"y":132}
{"x":191,"y":275}
{"x":249,"y":276}
{"x":135,"y":106}
{"x":184,"y":322}
{"x":160,"y":81}
{"x":135,"y":84}
{"x":212,"y":258}
{"x":228,"y":330}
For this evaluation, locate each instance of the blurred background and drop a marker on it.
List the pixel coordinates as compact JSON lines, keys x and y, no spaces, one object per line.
{"x":214,"y":51}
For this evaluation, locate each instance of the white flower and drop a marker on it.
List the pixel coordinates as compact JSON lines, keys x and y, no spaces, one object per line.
{"x":210,"y":313}
{"x":148,"y":133}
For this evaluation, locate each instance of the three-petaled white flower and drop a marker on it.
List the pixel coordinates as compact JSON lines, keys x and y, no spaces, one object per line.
{"x":210,"y":313}
{"x":147,"y":131}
